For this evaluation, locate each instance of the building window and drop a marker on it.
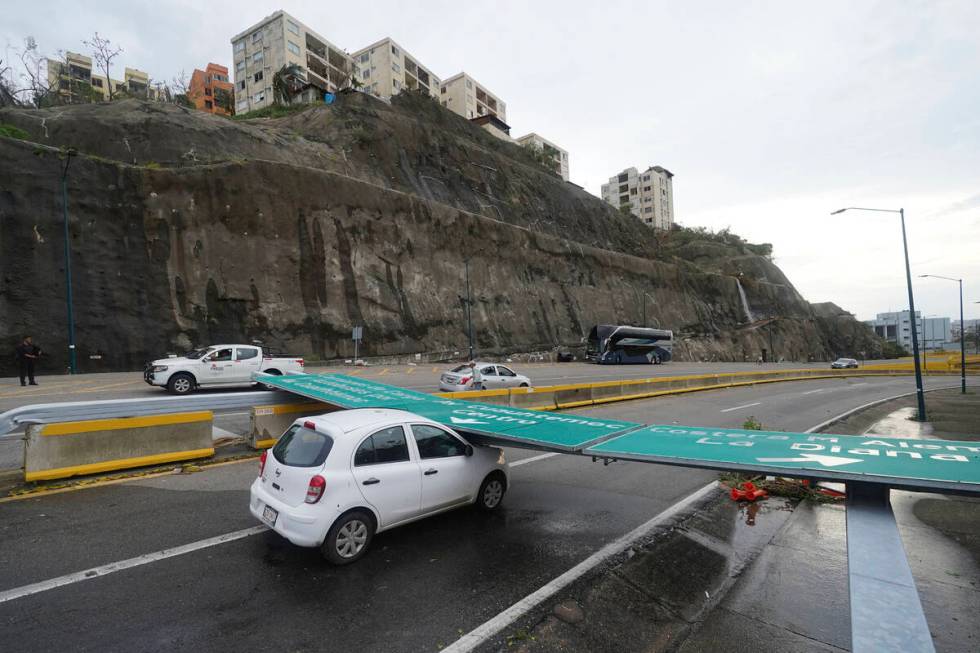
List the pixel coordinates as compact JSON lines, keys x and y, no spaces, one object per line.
{"x":646,"y":177}
{"x":396,"y":67}
{"x":257,"y":77}
{"x":240,"y":46}
{"x":257,"y":57}
{"x":257,"y":37}
{"x":292,"y":27}
{"x":395,"y":85}
{"x":395,"y":51}
{"x":366,"y":73}
{"x":241,"y":66}
{"x":646,"y":188}
{"x":259,"y":97}
{"x":241,"y":85}
{"x":469,"y":84}
{"x":207,"y":91}
{"x":208,"y":104}
{"x":292,"y":47}
{"x":97,"y":83}
{"x":648,"y":209}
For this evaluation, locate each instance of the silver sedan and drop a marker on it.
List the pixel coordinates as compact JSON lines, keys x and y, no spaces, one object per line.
{"x":491,"y":377}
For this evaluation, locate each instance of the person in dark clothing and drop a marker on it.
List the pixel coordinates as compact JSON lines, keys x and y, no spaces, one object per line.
{"x":27,"y":355}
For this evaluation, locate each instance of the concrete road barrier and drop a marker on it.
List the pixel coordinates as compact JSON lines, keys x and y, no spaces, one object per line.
{"x":267,"y":423}
{"x":67,"y":449}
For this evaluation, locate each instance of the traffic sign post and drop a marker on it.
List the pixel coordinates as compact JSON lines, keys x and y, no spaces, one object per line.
{"x":357,"y":334}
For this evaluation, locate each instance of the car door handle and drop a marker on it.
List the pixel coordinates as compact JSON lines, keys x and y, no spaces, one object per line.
{"x":430,"y":472}
{"x":371,"y":481}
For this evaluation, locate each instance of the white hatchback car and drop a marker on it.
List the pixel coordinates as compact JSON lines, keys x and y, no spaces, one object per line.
{"x":492,"y":375}
{"x":333,"y":481}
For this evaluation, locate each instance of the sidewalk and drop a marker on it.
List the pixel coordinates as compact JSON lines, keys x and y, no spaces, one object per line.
{"x":794,"y":596}
{"x":766,"y":577}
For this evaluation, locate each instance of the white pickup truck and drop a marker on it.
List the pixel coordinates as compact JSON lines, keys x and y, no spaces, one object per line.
{"x":217,"y":366}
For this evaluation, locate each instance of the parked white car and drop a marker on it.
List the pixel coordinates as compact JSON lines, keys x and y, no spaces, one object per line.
{"x":492,"y":376}
{"x":218,"y":365}
{"x":333,"y":481}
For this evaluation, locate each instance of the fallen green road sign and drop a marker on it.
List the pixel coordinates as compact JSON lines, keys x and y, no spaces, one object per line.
{"x":897,"y":462}
{"x":545,"y":430}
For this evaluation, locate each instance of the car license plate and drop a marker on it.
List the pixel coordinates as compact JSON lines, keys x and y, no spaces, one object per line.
{"x":269,"y":515}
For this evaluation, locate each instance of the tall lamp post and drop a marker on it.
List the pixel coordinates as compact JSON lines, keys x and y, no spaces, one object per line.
{"x":68,"y":298}
{"x":962,"y":329}
{"x":919,"y":392}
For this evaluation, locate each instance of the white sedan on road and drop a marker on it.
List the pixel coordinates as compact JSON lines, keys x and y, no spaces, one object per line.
{"x":333,"y":481}
{"x":492,"y":377}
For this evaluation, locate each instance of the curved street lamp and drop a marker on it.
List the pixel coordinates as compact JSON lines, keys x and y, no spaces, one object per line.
{"x":919,"y":392}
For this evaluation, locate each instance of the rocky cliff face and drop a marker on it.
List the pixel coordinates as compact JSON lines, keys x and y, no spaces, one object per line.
{"x":188,"y":229}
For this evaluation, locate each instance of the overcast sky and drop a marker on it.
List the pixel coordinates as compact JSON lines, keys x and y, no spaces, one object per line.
{"x":770,"y":114}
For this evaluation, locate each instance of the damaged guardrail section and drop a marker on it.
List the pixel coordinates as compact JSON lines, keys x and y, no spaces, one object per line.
{"x":65,"y":449}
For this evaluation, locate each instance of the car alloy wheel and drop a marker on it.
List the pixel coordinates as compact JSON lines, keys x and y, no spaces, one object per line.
{"x":351,"y":538}
{"x":182,"y":385}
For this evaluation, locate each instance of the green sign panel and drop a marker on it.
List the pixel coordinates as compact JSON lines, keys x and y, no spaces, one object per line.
{"x":901,"y":463}
{"x":910,"y":463}
{"x":563,"y":432}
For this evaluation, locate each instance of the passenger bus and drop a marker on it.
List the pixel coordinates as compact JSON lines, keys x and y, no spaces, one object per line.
{"x":611,"y":345}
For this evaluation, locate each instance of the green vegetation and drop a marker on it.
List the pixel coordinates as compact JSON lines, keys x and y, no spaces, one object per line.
{"x":152,"y":165}
{"x":893,"y":350}
{"x":11,"y":131}
{"x":679,"y":236}
{"x":273,"y":111}
{"x":752,"y":424}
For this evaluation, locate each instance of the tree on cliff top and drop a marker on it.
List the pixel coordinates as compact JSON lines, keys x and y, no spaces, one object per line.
{"x":103,"y":52}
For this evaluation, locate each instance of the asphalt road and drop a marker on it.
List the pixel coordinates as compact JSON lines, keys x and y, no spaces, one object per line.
{"x":125,"y":385}
{"x":420,"y":587}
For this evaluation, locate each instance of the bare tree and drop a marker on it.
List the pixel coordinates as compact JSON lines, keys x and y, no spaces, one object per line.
{"x":104,"y":52}
{"x":37,"y":85}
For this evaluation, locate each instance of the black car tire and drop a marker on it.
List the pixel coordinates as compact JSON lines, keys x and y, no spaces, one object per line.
{"x":181,"y":383}
{"x":357,"y":525}
{"x":492,"y":491}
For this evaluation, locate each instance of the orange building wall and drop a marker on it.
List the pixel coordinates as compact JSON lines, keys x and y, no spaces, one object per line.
{"x":203,"y":85}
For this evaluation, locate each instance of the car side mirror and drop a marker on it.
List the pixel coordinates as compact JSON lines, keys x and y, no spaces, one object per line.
{"x":469,"y":450}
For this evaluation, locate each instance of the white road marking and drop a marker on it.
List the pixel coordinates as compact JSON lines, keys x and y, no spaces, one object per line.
{"x":482,"y":633}
{"x":810,"y":392}
{"x":848,"y":413}
{"x":728,"y":410}
{"x":113,"y":567}
{"x":532,"y":459}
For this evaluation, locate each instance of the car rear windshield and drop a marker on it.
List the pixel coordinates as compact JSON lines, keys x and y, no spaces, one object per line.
{"x":461,"y":368}
{"x":302,"y":447}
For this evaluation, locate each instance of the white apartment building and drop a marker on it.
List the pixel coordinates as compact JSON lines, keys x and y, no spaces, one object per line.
{"x":933,"y":332}
{"x":558,"y":154}
{"x":278,"y":40}
{"x":464,"y":95}
{"x":649,"y":195}
{"x":385,"y":68}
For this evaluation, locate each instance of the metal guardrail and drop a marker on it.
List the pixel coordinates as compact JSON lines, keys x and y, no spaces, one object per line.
{"x":112,"y":408}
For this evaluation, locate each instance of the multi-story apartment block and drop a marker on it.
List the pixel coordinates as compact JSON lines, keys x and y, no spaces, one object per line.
{"x":933,"y":332}
{"x":557,"y":154}
{"x":463,"y":95}
{"x":74,"y":81}
{"x":385,"y":69}
{"x":648,"y":195}
{"x":281,"y":40}
{"x":211,"y":91}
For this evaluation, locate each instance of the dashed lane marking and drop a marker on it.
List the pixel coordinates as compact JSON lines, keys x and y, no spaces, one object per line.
{"x":728,"y":410}
{"x":532,"y":459}
{"x":122,"y":565}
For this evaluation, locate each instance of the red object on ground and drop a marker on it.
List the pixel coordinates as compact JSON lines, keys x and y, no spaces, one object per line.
{"x":749,"y":492}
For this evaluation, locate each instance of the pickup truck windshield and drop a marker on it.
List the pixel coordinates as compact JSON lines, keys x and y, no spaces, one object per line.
{"x":197,"y":353}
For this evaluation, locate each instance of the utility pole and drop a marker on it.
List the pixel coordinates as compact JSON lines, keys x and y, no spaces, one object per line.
{"x":962,"y":329}
{"x":72,"y":369}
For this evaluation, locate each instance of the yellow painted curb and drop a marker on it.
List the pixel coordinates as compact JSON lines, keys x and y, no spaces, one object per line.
{"x":265,"y":444}
{"x":88,"y":426}
{"x":286,"y":409}
{"x":121,"y":463}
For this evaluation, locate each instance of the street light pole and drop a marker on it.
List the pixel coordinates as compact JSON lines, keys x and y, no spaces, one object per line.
{"x":919,"y":391}
{"x":469,"y":308}
{"x":68,"y":296}
{"x":962,"y":330}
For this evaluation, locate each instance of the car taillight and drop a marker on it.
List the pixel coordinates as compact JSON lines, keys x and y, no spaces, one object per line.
{"x":262,"y":458}
{"x":309,"y":425}
{"x":301,"y":362}
{"x":464,"y":380}
{"x":315,"y":491}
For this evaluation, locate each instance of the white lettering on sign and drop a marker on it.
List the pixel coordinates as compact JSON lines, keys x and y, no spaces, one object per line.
{"x":891,"y":452}
{"x":737,"y":443}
